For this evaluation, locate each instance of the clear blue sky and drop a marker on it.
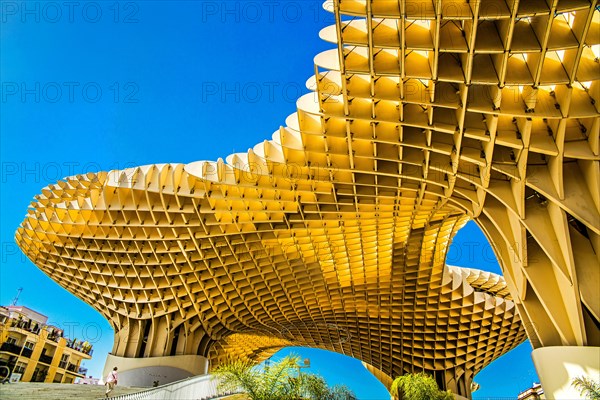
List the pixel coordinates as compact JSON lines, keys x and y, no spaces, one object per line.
{"x":90,"y":86}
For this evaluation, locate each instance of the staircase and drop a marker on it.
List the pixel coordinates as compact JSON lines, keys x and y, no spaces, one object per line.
{"x":53,"y":391}
{"x":202,"y":387}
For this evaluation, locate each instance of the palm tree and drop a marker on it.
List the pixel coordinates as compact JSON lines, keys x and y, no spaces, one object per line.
{"x":315,"y":387}
{"x":279,"y":381}
{"x":418,"y":387}
{"x":341,"y":392}
{"x":587,"y":387}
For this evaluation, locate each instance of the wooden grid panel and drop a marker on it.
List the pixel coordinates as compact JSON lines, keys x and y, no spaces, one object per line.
{"x":334,"y":233}
{"x":501,"y":100}
{"x":151,"y":253}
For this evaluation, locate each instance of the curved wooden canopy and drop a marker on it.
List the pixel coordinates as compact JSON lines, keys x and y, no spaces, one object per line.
{"x":334,"y":233}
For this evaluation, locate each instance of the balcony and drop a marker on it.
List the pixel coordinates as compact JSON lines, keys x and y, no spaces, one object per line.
{"x":39,"y":376}
{"x":46,"y":359}
{"x":11,"y":348}
{"x":55,"y":337}
{"x":29,"y":326}
{"x":74,"y":369}
{"x":62,"y":364}
{"x":82,"y":347}
{"x":26,"y":352}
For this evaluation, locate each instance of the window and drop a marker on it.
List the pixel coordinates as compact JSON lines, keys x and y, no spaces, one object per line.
{"x":63,"y":361}
{"x":28,"y":349}
{"x":11,"y":340}
{"x":58,"y":378}
{"x":20,"y":367}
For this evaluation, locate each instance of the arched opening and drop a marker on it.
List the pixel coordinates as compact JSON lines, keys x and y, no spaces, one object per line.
{"x":470,"y":248}
{"x":514,"y":369}
{"x":337,"y":368}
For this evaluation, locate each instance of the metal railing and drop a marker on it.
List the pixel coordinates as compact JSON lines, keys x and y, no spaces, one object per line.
{"x":26,"y":325}
{"x":73,"y":368}
{"x":11,"y":348}
{"x":494,"y":398}
{"x":46,"y":359}
{"x":199,"y":387}
{"x":26,"y":352}
{"x":54,"y":334}
{"x":82,"y":347}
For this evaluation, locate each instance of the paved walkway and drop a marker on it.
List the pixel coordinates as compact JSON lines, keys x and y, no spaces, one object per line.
{"x":57,"y":391}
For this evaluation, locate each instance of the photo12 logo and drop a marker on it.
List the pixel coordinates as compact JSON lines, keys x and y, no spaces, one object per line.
{"x":53,"y":12}
{"x":53,"y":171}
{"x":69,"y":92}
{"x":244,"y":11}
{"x":251,"y":92}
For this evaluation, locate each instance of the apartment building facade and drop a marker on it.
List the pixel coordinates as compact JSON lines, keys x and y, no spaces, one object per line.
{"x":37,"y":352}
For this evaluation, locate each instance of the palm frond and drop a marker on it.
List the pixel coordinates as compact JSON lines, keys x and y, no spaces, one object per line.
{"x":587,"y":387}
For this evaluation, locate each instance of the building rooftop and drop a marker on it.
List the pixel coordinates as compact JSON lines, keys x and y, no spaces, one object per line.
{"x":15,"y":311}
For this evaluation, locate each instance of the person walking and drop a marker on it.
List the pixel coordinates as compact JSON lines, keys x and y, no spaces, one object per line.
{"x":111,"y":381}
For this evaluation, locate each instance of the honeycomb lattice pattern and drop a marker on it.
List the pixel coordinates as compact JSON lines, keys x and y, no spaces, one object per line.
{"x":334,"y":233}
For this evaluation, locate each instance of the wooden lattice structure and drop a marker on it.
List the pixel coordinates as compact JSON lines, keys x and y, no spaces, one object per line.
{"x":334,"y":233}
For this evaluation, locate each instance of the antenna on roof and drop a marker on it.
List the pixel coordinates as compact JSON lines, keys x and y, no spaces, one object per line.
{"x":14,"y":302}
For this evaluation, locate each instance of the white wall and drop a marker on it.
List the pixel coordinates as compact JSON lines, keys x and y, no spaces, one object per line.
{"x":558,"y":366}
{"x":142,"y":372}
